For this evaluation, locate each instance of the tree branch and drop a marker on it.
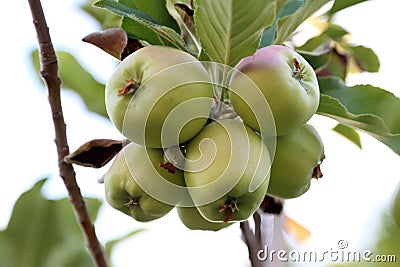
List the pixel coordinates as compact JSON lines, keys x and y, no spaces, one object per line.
{"x":253,"y":245}
{"x":49,"y":72}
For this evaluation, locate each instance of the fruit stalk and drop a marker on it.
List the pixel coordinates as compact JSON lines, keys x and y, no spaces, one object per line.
{"x":49,"y":72}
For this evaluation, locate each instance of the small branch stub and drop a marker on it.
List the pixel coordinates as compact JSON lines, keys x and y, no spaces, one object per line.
{"x":130,"y":87}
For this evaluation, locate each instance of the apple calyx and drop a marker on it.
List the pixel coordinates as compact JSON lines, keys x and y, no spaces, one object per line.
{"x":298,"y":71}
{"x":168,"y":166}
{"x":130,"y":87}
{"x":133,"y":201}
{"x":229,"y":207}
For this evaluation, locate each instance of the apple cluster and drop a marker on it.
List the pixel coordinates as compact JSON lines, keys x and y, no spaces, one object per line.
{"x":215,"y":171}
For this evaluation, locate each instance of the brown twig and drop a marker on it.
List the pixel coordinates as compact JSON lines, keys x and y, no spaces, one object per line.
{"x":257,"y":226}
{"x":49,"y":72}
{"x":253,"y":245}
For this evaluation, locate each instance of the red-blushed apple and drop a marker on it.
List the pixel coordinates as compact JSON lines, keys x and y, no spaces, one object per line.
{"x":288,"y":83}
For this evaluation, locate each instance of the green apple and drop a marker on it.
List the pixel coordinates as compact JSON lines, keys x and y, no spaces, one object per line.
{"x":192,"y":219}
{"x":227,"y":171}
{"x":151,"y":95}
{"x":297,"y":158}
{"x":122,"y":189}
{"x":286,"y":80}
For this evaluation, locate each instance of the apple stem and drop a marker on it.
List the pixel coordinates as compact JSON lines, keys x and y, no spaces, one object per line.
{"x":229,"y":207}
{"x":168,"y":166}
{"x":130,"y":86}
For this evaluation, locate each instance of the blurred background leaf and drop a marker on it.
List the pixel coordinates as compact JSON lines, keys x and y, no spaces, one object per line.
{"x":73,"y":76}
{"x":331,"y":53}
{"x":43,"y":232}
{"x":348,"y":133}
{"x":288,"y":25}
{"x":339,"y":5}
{"x":103,"y":17}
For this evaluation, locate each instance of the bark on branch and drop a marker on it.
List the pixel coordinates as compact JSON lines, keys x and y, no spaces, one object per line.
{"x":49,"y":72}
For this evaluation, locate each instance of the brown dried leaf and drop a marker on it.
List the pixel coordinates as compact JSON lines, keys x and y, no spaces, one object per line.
{"x":113,"y":41}
{"x":317,"y":173}
{"x":188,"y":10}
{"x":132,"y":46}
{"x":95,"y":153}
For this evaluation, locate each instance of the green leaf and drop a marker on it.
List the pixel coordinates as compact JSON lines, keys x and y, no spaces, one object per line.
{"x":348,"y":133}
{"x":185,"y":23}
{"x":106,"y":19}
{"x":315,"y":43}
{"x":365,"y":58}
{"x":111,"y":244}
{"x":286,"y":9}
{"x":335,"y":32}
{"x":363,"y":107}
{"x":289,"y":24}
{"x":40,"y":231}
{"x":230,"y":30}
{"x":73,"y":76}
{"x":156,"y":9}
{"x":138,"y":31}
{"x":142,"y":26}
{"x":342,"y":4}
{"x":318,"y":60}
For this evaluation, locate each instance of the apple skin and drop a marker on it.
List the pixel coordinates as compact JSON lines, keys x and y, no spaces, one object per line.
{"x":162,"y":78}
{"x":296,"y":156}
{"x":288,"y":83}
{"x":232,"y":186}
{"x":123,"y":192}
{"x":192,"y":219}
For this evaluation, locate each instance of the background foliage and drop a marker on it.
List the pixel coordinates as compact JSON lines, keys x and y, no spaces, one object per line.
{"x":357,"y":108}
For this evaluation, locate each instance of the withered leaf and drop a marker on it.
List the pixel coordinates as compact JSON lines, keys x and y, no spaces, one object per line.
{"x":317,"y":173}
{"x":188,"y":10}
{"x":95,"y":153}
{"x":113,"y":41}
{"x":132,"y":46}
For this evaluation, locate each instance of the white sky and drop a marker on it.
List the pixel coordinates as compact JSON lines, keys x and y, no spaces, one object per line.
{"x":345,"y":204}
